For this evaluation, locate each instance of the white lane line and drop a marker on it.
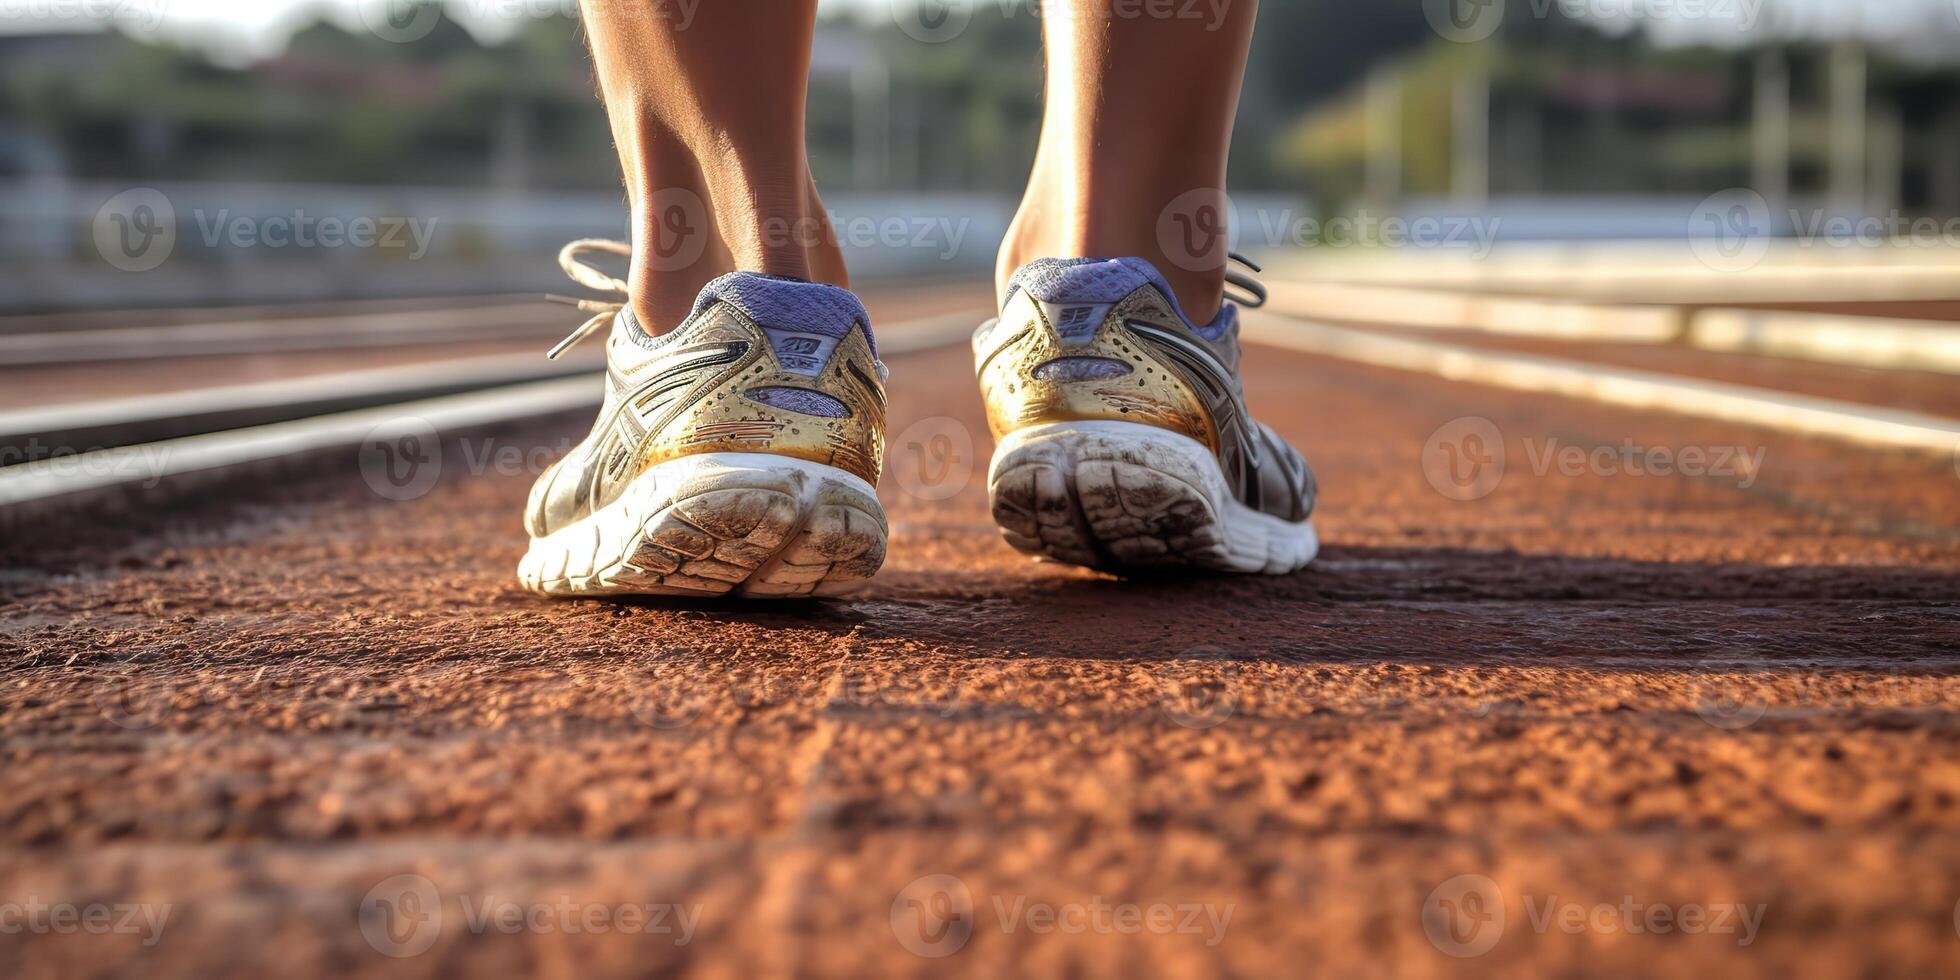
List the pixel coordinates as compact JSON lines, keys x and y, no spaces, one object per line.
{"x":152,"y":463}
{"x":335,"y":332}
{"x":1859,"y":341}
{"x":373,"y":384}
{"x":326,"y":332}
{"x":1863,"y":341}
{"x":377,"y":384}
{"x":1631,"y":272}
{"x":145,"y":466}
{"x":69,"y":322}
{"x":1446,"y":309}
{"x":1862,"y":424}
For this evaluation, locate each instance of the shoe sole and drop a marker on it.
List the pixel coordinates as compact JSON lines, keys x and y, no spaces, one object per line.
{"x":1127,"y":497}
{"x":717,"y":524}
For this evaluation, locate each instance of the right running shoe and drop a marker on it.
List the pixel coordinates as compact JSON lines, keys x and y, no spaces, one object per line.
{"x":736,"y":454}
{"x":1124,"y":443}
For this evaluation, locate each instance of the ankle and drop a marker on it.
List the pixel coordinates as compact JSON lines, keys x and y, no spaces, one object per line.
{"x":682,"y":241}
{"x":1041,"y":231}
{"x":676,"y":251}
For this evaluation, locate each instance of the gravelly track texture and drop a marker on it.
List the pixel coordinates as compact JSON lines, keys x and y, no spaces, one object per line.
{"x":1644,"y":693}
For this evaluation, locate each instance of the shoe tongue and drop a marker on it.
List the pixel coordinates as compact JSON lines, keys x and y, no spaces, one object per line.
{"x":804,"y":320}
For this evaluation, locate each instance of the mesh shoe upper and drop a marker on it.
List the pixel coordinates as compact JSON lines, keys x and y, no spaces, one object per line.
{"x":1087,"y":339}
{"x":762,"y":365}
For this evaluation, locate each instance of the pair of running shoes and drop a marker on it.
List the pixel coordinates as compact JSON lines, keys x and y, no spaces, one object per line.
{"x":739,"y":453}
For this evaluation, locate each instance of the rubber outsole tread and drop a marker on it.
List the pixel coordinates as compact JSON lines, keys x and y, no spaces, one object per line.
{"x":1122,"y":497}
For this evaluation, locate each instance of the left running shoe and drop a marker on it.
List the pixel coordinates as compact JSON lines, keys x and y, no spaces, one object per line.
{"x":736,"y":454}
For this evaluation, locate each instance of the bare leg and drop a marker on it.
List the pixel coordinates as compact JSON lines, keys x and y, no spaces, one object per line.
{"x":1134,"y":141}
{"x":706,"y":104}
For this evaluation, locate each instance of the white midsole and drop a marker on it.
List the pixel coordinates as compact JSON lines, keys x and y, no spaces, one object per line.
{"x":591,"y":555}
{"x":679,"y":472}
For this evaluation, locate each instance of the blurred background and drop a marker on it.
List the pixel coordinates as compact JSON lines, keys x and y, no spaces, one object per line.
{"x":199,"y":153}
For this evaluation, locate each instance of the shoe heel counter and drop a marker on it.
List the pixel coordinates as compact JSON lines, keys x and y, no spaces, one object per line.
{"x":1059,"y":368}
{"x":825,"y":407}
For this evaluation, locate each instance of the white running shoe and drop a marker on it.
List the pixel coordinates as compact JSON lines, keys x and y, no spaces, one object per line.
{"x":736,"y":454}
{"x":1124,"y":441}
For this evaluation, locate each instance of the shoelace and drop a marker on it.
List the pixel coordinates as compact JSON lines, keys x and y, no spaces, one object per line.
{"x":1254,"y":295}
{"x":602,"y":310}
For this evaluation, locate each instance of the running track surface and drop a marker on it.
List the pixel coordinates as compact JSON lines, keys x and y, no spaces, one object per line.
{"x":1663,"y":694}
